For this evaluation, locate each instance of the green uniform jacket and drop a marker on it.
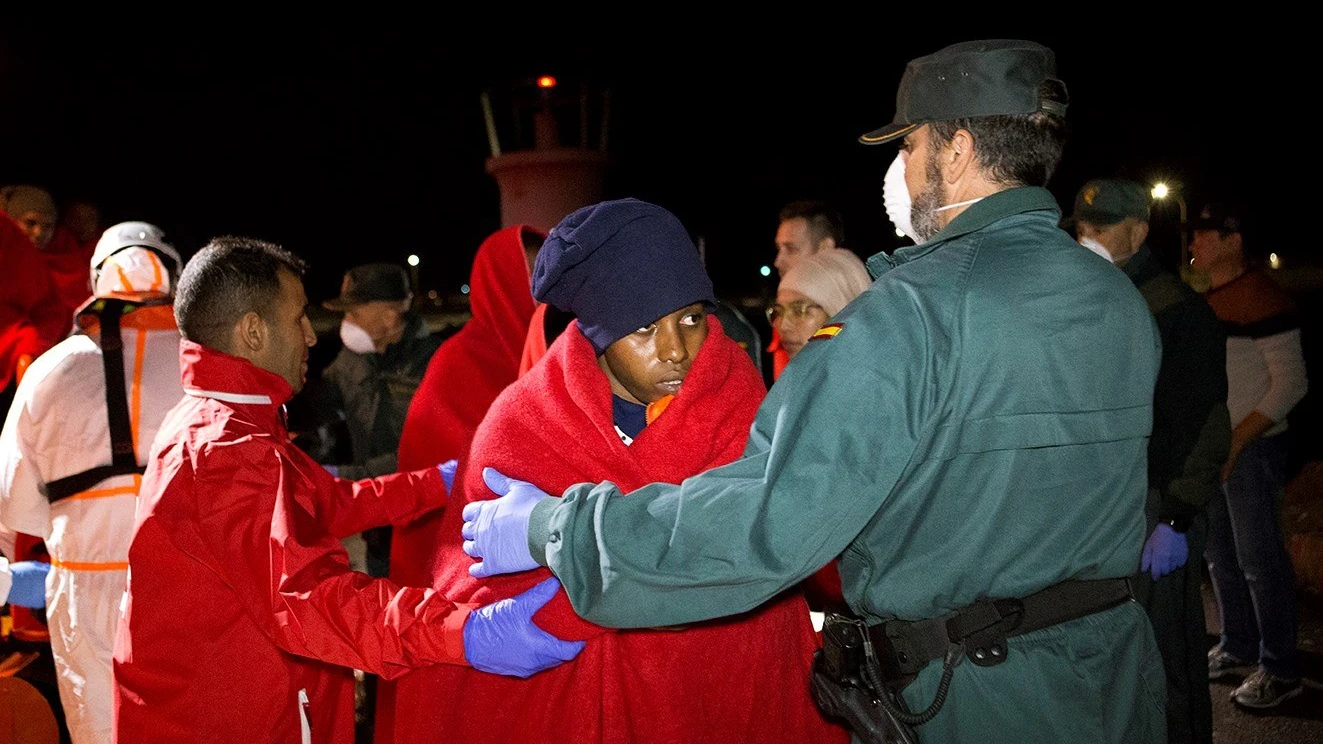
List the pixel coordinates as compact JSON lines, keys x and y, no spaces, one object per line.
{"x":975,"y":428}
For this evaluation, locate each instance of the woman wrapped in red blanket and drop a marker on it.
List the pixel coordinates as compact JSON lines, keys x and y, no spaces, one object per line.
{"x":644,"y":386}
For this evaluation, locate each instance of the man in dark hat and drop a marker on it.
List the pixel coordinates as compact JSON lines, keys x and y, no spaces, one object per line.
{"x":968,"y":435}
{"x":366,"y":390}
{"x":1191,"y":434}
{"x":1247,"y":560}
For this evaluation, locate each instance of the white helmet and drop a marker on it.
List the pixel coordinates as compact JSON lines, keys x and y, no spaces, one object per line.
{"x":137,"y":271}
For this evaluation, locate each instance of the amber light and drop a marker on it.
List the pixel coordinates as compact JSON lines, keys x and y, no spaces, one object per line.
{"x":546,"y":81}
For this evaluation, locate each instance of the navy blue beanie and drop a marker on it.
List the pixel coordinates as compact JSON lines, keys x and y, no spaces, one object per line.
{"x":619,"y":266}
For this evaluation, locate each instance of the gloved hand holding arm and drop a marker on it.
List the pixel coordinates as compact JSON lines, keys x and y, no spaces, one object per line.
{"x":448,"y":469}
{"x":501,"y":637}
{"x":496,"y":531}
{"x":1165,"y":551}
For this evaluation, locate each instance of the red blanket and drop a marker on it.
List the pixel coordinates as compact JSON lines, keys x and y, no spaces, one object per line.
{"x":462,"y":379}
{"x":736,"y":679}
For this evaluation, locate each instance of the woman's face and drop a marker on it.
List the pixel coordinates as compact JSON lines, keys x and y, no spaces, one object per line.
{"x":652,"y":362}
{"x":796,"y":317}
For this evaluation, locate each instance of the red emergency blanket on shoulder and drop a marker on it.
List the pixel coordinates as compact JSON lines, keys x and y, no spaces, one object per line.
{"x":735,"y":679}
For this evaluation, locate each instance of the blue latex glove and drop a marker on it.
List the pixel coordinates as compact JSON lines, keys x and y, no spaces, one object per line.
{"x":501,"y":638}
{"x":1165,"y":551}
{"x":332,"y":469}
{"x":29,"y":588}
{"x":448,"y":469}
{"x":496,"y":531}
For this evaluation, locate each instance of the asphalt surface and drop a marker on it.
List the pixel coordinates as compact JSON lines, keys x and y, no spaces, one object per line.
{"x":1297,"y":720}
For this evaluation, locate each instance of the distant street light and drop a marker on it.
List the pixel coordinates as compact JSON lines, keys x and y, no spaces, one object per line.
{"x":413,"y":272}
{"x":1162,"y":191}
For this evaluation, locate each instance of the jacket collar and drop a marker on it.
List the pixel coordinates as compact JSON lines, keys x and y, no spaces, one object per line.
{"x":1140,"y":266}
{"x":979,"y":215}
{"x":208,"y":373}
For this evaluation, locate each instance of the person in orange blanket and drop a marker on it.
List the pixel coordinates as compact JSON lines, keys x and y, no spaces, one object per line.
{"x":642,"y":386}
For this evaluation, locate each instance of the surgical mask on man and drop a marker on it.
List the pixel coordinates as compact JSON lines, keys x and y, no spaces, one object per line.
{"x":899,"y":206}
{"x":1093,"y":245}
{"x":355,"y":338}
{"x":896,"y":198}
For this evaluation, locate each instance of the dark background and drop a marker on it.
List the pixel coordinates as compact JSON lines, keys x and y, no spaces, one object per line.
{"x":360,"y":140}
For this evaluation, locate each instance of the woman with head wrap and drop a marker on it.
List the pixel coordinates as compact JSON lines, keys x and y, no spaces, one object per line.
{"x":812,"y":291}
{"x":643,"y":385}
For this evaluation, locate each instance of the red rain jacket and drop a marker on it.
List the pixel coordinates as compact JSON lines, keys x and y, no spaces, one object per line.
{"x":244,"y":621}
{"x":740,"y":679}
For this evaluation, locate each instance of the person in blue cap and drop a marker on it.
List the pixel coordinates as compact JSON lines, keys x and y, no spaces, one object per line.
{"x":968,"y":435}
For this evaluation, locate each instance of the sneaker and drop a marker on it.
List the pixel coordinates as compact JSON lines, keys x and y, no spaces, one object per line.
{"x":1224,"y":663}
{"x":1262,"y":690}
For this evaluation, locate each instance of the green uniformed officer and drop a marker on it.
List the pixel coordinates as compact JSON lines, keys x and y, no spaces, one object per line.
{"x":973,"y":427}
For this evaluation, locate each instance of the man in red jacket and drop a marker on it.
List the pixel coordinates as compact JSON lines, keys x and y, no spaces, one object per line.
{"x":243,"y":620}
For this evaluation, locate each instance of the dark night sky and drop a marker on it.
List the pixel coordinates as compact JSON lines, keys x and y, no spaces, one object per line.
{"x":365,"y":140}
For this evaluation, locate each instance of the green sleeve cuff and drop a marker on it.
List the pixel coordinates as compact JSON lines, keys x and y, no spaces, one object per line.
{"x":539,"y":529}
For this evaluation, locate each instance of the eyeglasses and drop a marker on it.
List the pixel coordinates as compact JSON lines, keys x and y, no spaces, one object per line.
{"x":795,"y":311}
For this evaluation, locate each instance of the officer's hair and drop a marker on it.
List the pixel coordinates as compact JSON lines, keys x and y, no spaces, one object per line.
{"x":823,"y":219}
{"x":1016,"y":150}
{"x":229,"y":277}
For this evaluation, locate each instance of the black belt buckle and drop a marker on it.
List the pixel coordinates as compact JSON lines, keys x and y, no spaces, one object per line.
{"x":983,"y":627}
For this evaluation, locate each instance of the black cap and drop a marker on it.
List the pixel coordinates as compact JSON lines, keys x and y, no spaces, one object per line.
{"x":1222,"y":216}
{"x":994,"y":77}
{"x":370,"y":283}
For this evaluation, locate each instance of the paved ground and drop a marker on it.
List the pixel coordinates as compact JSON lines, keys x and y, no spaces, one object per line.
{"x":1297,"y":720}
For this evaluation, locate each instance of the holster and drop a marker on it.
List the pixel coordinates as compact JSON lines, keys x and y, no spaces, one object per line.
{"x":853,"y":703}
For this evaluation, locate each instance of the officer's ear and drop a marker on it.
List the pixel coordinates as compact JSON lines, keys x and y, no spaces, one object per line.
{"x":250,"y":334}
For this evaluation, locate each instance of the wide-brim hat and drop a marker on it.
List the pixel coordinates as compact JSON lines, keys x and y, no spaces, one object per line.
{"x":371,"y":282}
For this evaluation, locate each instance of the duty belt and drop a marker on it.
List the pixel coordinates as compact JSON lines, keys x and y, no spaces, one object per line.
{"x":904,"y":648}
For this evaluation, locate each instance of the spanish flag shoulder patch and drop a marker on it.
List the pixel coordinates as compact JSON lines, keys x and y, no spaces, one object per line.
{"x":827,"y":331}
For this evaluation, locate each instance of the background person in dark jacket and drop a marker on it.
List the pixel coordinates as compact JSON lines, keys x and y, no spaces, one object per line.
{"x":370,"y":383}
{"x":1191,"y":436}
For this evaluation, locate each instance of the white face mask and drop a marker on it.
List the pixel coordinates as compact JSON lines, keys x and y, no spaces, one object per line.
{"x":355,"y":338}
{"x":896,"y":198}
{"x":899,"y":206}
{"x":1097,"y":247}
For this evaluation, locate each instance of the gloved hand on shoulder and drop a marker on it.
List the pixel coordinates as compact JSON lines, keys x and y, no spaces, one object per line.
{"x":496,"y":531}
{"x":1165,"y":551}
{"x":501,"y":637}
{"x":29,"y":588}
